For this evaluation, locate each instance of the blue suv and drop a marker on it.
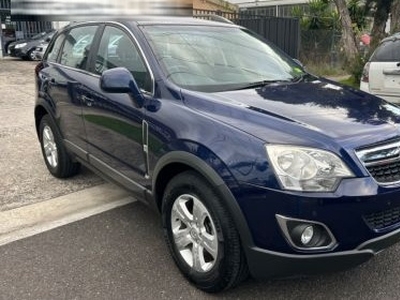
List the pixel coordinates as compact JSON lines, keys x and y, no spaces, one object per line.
{"x":255,"y":165}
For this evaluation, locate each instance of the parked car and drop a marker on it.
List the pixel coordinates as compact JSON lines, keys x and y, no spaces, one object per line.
{"x":25,"y":48}
{"x":381,"y":74}
{"x":8,"y":38}
{"x":254,"y":164}
{"x":39,"y":51}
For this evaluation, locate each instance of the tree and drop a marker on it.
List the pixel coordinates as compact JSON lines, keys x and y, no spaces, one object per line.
{"x":380,"y":18}
{"x":319,"y":16}
{"x":395,"y":16}
{"x":349,"y":41}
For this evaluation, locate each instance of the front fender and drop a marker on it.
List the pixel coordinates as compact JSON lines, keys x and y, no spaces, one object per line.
{"x":216,"y":173}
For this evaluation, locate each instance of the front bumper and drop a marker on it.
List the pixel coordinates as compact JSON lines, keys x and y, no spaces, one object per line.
{"x":264,"y":264}
{"x":20,"y":52}
{"x":354,"y":214}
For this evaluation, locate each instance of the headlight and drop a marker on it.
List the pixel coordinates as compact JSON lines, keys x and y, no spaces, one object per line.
{"x":20,"y":45}
{"x":307,"y":169}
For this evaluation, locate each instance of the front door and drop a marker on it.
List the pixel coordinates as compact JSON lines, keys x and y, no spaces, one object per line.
{"x":114,"y":122}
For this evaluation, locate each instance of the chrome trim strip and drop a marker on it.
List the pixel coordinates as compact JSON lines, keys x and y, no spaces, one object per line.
{"x":145,"y":143}
{"x":129,"y":32}
{"x":362,"y":153}
{"x":391,"y":157}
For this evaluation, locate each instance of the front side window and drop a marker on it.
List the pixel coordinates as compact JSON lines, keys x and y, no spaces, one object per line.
{"x":206,"y":58}
{"x":118,"y":50}
{"x":76,"y":47}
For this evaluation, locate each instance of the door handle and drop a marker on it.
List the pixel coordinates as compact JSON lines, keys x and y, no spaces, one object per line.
{"x":391,"y":72}
{"x":87,"y":100}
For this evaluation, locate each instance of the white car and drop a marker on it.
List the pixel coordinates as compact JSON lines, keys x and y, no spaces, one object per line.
{"x":381,"y":74}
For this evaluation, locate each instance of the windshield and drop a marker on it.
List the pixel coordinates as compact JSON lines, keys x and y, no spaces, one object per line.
{"x":38,"y":36}
{"x":211,"y":59}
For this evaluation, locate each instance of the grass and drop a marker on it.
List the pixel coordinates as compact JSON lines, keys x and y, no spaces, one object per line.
{"x":351,"y":82}
{"x":324,"y":69}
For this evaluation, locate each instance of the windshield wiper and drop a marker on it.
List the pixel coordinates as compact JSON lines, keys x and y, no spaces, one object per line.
{"x":263,"y":83}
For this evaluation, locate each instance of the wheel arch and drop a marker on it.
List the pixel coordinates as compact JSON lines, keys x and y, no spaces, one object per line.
{"x":176,"y":162}
{"x":40,"y":112}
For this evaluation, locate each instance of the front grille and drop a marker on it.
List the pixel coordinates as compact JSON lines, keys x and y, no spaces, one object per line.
{"x":382,"y":162}
{"x":383,"y":219}
{"x":385,"y":173}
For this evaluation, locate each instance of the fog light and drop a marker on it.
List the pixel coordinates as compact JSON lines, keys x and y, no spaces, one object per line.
{"x":307,"y":235}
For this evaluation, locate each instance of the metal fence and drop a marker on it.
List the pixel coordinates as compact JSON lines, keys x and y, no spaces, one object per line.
{"x":283,"y":32}
{"x":321,"y":47}
{"x":27,"y":29}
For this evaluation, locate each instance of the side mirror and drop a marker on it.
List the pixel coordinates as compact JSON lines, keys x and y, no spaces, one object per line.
{"x":120,"y":80}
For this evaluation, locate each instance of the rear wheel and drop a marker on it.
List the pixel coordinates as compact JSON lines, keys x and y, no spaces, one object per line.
{"x":57,"y":160}
{"x":201,"y":235}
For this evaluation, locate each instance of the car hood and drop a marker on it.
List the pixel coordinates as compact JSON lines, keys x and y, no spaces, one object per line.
{"x":319,"y":107}
{"x":29,"y":42}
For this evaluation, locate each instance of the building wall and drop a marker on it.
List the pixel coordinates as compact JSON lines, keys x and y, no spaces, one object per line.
{"x":214,"y":5}
{"x":274,"y":8}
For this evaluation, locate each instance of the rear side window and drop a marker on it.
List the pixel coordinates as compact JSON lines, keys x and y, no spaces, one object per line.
{"x":52,"y":54}
{"x":388,"y":51}
{"x":76,"y":48}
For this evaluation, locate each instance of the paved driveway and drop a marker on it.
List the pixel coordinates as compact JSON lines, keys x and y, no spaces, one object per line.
{"x":24,"y":178}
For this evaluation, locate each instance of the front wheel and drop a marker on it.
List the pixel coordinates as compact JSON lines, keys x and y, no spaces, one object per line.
{"x":31,"y":55}
{"x":201,"y":234}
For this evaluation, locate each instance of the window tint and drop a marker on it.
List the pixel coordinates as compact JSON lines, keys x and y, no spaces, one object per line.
{"x":55,"y":48}
{"x":388,"y":51}
{"x":76,"y":47}
{"x":118,"y":50}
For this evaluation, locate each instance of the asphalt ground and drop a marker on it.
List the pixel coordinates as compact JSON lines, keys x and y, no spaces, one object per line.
{"x":120,"y":253}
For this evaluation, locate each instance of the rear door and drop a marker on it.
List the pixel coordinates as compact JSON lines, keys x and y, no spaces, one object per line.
{"x":65,"y":78}
{"x":384,"y":73}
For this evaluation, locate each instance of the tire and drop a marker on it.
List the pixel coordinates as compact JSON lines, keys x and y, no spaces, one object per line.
{"x":58,"y":161}
{"x":197,"y":225}
{"x":30,"y":55}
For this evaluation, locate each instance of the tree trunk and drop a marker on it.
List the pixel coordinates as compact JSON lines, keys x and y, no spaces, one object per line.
{"x":349,"y":41}
{"x":380,"y":18}
{"x":395,"y":17}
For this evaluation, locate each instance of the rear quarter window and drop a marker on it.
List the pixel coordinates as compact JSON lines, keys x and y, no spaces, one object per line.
{"x":54,"y":49}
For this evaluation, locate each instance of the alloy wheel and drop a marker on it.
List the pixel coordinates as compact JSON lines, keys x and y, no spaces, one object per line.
{"x":50,"y":147}
{"x":194,"y":233}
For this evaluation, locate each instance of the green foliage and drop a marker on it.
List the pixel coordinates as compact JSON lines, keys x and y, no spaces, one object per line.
{"x":351,"y":82}
{"x":355,"y":68}
{"x":319,"y":16}
{"x":358,"y":13}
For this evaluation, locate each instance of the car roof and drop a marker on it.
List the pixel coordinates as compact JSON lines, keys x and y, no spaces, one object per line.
{"x":395,"y":36}
{"x":158,"y":20}
{"x":178,"y":21}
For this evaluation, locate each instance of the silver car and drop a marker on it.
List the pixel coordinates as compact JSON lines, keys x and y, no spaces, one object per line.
{"x":381,"y":74}
{"x":39,"y":51}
